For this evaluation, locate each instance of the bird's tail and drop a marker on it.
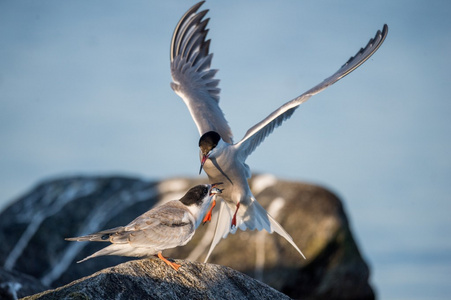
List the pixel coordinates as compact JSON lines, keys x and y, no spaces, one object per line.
{"x":90,"y":256}
{"x":117,"y":249}
{"x":253,"y":217}
{"x":101,"y":236}
{"x":114,"y":249}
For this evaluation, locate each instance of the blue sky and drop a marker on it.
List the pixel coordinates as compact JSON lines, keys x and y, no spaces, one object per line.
{"x":84,"y":89}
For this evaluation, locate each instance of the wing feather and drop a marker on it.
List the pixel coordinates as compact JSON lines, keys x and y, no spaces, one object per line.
{"x":193,"y":79}
{"x":256,"y":134}
{"x":163,"y":227}
{"x":166,"y":226}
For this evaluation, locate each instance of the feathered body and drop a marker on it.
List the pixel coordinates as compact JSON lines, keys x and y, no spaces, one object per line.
{"x":164,"y":227}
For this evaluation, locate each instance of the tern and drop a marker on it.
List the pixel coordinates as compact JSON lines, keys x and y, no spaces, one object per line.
{"x":167,"y":226}
{"x":222,"y":159}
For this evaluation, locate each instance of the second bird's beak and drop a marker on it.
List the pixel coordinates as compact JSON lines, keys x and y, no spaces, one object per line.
{"x":214,"y":190}
{"x":204,"y":159}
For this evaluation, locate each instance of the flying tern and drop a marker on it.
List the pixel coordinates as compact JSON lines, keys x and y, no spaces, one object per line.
{"x":222,"y":159}
{"x":167,"y":226}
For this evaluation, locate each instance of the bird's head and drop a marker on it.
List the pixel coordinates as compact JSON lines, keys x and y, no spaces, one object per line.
{"x":199,"y":198}
{"x":207,"y":143}
{"x":201,"y":195}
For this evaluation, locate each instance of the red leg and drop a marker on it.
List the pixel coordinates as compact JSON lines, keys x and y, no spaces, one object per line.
{"x":171,"y":264}
{"x":207,"y":217}
{"x":234,"y":215}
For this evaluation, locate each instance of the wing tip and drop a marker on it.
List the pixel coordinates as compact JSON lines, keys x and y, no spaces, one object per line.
{"x":372,"y":46}
{"x":382,"y":35}
{"x":385,"y":29}
{"x":182,"y":21}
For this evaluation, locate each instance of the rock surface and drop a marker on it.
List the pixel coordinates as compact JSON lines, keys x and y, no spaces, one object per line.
{"x":152,"y":279}
{"x":14,"y":285}
{"x":33,"y":228}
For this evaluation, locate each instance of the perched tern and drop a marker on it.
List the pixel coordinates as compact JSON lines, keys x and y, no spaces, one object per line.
{"x":222,"y":159}
{"x":167,"y":226}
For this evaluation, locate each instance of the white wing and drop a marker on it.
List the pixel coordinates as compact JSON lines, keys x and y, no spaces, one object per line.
{"x":222,"y":226}
{"x":193,"y":80}
{"x":255,"y":135}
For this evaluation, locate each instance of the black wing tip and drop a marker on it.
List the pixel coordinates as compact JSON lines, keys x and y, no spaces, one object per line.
{"x":379,"y":38}
{"x":193,"y":10}
{"x":383,"y":34}
{"x":203,"y":13}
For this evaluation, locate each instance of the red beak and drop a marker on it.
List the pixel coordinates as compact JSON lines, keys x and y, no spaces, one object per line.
{"x":204,"y":158}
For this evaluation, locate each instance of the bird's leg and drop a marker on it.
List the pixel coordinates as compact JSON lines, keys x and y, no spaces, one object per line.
{"x":234,"y":216}
{"x":171,"y":264}
{"x":207,"y":217}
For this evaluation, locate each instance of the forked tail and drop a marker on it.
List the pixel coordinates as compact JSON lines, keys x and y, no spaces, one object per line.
{"x":253,"y":217}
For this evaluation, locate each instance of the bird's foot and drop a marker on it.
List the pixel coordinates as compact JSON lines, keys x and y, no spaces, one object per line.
{"x":169,"y":263}
{"x":207,"y":217}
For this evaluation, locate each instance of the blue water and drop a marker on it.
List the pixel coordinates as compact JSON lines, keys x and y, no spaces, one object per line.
{"x":407,"y":247}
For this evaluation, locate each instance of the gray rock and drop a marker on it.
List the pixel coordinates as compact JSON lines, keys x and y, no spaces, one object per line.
{"x":152,"y":279}
{"x":33,"y":228}
{"x":14,"y":285}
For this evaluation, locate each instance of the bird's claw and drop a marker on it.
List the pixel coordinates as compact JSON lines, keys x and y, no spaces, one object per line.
{"x":169,"y":263}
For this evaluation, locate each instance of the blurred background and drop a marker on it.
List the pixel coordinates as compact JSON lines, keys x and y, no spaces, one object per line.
{"x":84,"y":89}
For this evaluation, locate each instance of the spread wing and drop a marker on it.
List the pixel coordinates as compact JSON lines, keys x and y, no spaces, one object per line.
{"x":255,"y":135}
{"x":193,"y":79}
